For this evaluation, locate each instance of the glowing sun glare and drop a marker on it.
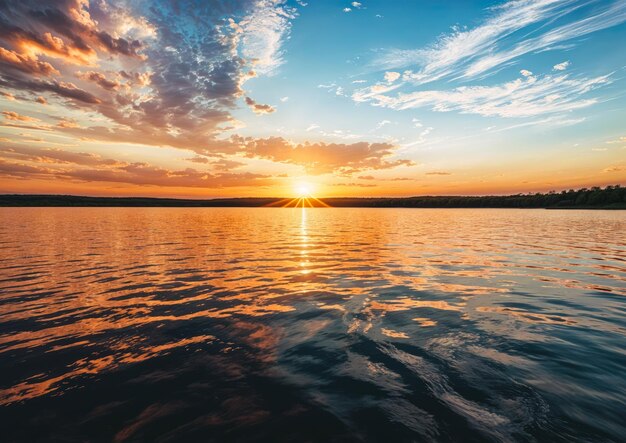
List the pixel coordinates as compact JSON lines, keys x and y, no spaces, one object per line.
{"x":304,"y":189}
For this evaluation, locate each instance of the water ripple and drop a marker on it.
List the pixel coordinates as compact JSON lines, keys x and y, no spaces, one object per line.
{"x":346,"y":324}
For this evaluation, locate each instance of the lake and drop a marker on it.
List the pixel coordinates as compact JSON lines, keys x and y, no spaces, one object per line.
{"x":262,"y":324}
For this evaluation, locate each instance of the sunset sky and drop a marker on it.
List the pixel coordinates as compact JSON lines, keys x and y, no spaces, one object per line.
{"x":259,"y":97}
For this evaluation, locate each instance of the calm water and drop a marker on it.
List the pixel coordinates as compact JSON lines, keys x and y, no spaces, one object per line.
{"x":128,"y":324}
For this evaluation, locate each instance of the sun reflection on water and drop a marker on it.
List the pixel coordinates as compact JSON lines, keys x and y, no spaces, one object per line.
{"x":314,"y":296}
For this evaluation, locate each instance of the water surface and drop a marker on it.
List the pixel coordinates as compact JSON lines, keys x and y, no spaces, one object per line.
{"x":248,"y":324}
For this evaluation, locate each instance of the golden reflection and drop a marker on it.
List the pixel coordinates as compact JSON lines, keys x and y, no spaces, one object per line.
{"x":300,"y":202}
{"x":128,"y":272}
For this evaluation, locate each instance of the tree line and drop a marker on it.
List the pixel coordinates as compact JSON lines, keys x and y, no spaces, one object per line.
{"x":610,"y":197}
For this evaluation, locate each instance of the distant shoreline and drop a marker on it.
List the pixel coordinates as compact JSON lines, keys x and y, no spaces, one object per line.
{"x":611,"y":197}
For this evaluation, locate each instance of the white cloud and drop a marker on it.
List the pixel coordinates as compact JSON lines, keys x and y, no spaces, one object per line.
{"x":417,"y":123}
{"x":383,"y":123}
{"x":356,"y":5}
{"x":618,"y":140}
{"x":561,"y":66}
{"x":359,"y":81}
{"x":523,"y":97}
{"x":284,"y":99}
{"x":263,"y":33}
{"x":526,"y":73}
{"x":347,"y":9}
{"x":470,"y":53}
{"x":333,"y":87}
{"x":312,"y":126}
{"x":391,"y":76}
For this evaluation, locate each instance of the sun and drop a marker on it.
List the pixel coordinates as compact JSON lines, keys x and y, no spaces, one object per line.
{"x":304,"y":189}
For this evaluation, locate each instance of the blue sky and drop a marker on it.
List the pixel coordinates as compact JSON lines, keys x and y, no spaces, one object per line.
{"x":252,"y":97}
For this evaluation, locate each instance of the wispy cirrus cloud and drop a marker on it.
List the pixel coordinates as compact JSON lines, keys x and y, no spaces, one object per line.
{"x":524,"y":97}
{"x":263,"y":32}
{"x":510,"y":31}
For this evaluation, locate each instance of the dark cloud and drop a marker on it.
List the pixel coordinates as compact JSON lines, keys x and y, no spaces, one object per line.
{"x":99,"y":79}
{"x":438,"y":173}
{"x":258,"y":108}
{"x":64,"y":27}
{"x":62,"y":89}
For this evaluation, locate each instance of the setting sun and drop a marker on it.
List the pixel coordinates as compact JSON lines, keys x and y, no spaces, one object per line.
{"x":304,"y":189}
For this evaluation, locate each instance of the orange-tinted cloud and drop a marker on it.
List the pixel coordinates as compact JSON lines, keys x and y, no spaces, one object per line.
{"x":12,"y":60}
{"x":67,"y":165}
{"x":99,"y":79}
{"x":321,"y":158}
{"x":161,"y":87}
{"x":11,"y":115}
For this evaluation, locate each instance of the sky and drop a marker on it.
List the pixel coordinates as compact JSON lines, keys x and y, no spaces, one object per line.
{"x":272,"y":98}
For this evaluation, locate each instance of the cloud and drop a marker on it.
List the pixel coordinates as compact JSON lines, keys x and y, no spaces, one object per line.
{"x":13,"y":61}
{"x":64,"y":123}
{"x":49,"y":155}
{"x":357,"y":185}
{"x":199,"y":159}
{"x":356,"y":5}
{"x":258,"y":108}
{"x":263,"y":32}
{"x":41,"y":100}
{"x":99,"y":79}
{"x":7,"y":95}
{"x":438,"y":173}
{"x":219,"y":165}
{"x":617,"y":140}
{"x":391,"y":76}
{"x":322,"y":158}
{"x":284,"y":99}
{"x":615,"y":168}
{"x":467,"y":53}
{"x":166,"y":75}
{"x":347,"y":9}
{"x":66,"y":165}
{"x":561,"y":66}
{"x":524,"y":97}
{"x":10,"y":115}
{"x":186,"y":75}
